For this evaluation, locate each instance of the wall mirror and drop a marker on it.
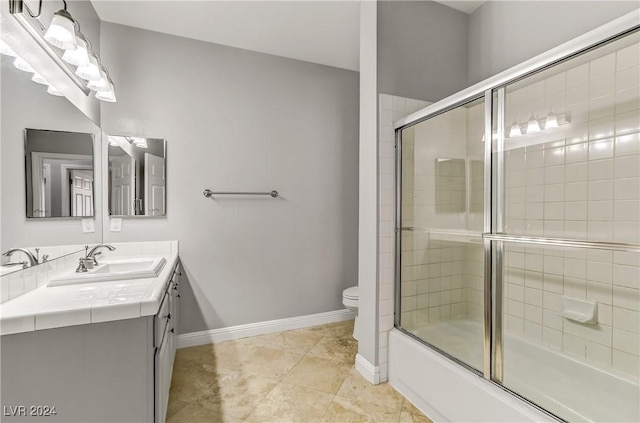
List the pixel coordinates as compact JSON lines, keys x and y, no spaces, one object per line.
{"x":137,"y":176}
{"x":59,"y":173}
{"x":27,"y":104}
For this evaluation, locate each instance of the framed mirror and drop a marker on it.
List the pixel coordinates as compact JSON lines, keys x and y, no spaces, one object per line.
{"x":59,"y":173}
{"x":137,"y":176}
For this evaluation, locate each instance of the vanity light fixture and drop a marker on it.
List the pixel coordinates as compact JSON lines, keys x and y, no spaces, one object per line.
{"x":91,"y":71}
{"x":38,"y":79}
{"x":515,"y":130}
{"x":79,"y":56}
{"x":107,"y":95}
{"x":77,"y":59}
{"x":62,"y":31}
{"x":533,"y":126}
{"x":551,"y":122}
{"x":22,"y":64}
{"x":53,"y":91}
{"x":6,"y":50}
{"x":102,"y":83}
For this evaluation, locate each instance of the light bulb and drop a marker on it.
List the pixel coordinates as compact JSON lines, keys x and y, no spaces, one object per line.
{"x":533,"y":126}
{"x":79,"y":56}
{"x":90,"y":72}
{"x":53,"y":91}
{"x":21,"y":64}
{"x":38,"y":79}
{"x":6,"y":50}
{"x":61,"y":33}
{"x":515,"y":130}
{"x":552,"y":121}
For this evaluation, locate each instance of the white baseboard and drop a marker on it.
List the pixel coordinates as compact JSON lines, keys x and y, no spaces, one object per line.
{"x":370,"y":372}
{"x":261,"y":328}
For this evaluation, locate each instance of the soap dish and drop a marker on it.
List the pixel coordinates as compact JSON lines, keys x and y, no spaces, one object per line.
{"x":579,"y":310}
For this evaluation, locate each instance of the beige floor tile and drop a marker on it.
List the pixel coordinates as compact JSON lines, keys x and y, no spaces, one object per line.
{"x":174,"y":406}
{"x":340,"y":329}
{"x":291,"y":403}
{"x":356,"y":387}
{"x":413,"y":418}
{"x":410,"y":408}
{"x":253,"y":360}
{"x":296,"y":341}
{"x":200,"y":354}
{"x":343,"y":349}
{"x":194,"y":414}
{"x":236,"y":395}
{"x":190,"y":380}
{"x":345,"y":410}
{"x":318,"y":373}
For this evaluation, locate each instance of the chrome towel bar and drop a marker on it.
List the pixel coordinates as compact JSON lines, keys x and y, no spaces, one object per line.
{"x":208,"y":193}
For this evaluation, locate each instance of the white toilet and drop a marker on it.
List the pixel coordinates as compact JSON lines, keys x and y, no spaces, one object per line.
{"x":350,"y":301}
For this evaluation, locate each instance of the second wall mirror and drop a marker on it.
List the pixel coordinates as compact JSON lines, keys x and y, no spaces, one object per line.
{"x":137,"y":176}
{"x":59,"y":173}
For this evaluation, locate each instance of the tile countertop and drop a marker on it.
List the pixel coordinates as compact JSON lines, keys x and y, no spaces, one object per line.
{"x":70,"y":305}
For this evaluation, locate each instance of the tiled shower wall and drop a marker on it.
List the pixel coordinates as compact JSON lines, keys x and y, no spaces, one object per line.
{"x":579,"y":181}
{"x":391,"y":109}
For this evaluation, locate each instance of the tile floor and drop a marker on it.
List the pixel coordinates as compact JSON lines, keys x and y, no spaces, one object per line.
{"x":298,"y":376}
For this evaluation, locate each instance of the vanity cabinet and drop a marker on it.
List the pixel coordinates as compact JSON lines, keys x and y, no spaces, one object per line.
{"x":115,"y":371}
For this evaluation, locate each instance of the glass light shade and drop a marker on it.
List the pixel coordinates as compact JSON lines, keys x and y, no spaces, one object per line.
{"x":79,"y":56}
{"x":108,"y":96}
{"x":6,"y":50}
{"x":21,"y":64}
{"x":53,"y":91}
{"x":515,"y":131}
{"x":552,"y":121}
{"x":533,"y":126}
{"x":101,"y":84}
{"x":90,"y":72}
{"x":62,"y":33}
{"x":38,"y":79}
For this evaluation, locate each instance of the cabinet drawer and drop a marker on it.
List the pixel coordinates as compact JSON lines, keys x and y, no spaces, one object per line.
{"x":161,"y":320}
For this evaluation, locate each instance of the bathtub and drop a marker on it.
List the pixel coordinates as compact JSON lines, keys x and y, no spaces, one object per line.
{"x":569,"y":388}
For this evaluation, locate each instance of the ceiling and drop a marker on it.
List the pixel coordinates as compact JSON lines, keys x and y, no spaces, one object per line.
{"x":324,"y":32}
{"x":463,"y":5}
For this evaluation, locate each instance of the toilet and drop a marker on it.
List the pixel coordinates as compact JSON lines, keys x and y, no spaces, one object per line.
{"x":350,"y":301}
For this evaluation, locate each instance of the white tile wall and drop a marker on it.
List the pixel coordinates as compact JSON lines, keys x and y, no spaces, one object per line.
{"x":392,"y":108}
{"x":18,"y":283}
{"x":581,"y":181}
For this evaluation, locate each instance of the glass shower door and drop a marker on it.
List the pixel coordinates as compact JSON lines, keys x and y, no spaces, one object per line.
{"x":441,"y":254}
{"x":569,"y":279}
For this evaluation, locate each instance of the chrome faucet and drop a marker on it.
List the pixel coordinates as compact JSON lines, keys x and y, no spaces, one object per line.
{"x":91,"y":254}
{"x":32,"y":259}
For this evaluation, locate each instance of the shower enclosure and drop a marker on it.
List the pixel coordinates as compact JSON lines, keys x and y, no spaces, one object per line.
{"x":518,"y":232}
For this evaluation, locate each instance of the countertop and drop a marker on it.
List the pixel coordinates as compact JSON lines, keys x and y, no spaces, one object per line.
{"x":96,"y":302}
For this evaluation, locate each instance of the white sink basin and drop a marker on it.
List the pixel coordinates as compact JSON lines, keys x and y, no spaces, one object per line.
{"x":114,"y":270}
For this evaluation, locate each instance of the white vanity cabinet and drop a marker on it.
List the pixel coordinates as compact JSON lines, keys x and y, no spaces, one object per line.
{"x":114,"y":371}
{"x":165,"y":333}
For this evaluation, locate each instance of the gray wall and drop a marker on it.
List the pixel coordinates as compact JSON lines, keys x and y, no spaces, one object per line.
{"x":240,"y":120}
{"x":422,"y":49}
{"x":505,"y":33}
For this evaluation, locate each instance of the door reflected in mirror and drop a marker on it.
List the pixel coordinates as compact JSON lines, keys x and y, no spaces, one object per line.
{"x":59,"y":173}
{"x":137,"y":176}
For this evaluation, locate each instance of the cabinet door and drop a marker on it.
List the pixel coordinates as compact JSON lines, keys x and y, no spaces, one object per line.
{"x":163,"y":365}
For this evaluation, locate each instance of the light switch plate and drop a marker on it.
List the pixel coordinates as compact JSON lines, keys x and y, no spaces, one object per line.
{"x":88,"y":226}
{"x":115,"y":224}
